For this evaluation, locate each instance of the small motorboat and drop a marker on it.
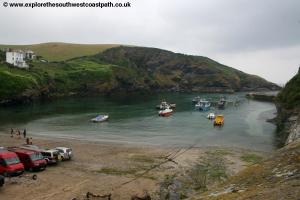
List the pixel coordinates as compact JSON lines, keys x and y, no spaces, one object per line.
{"x":166,"y":112}
{"x":100,"y":118}
{"x":211,"y":116}
{"x":222,"y":103}
{"x":203,"y":105}
{"x":219,"y":120}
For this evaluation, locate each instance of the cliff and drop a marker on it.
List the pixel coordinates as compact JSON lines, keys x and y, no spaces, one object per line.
{"x":288,"y":108}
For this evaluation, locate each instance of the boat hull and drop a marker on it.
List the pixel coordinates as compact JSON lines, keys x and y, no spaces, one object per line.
{"x":165,"y":113}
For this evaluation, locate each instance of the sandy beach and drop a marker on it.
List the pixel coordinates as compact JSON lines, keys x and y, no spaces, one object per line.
{"x":121,"y":170}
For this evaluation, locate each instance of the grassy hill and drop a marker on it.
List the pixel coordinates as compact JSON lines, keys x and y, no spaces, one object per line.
{"x":289,"y":97}
{"x":62,"y":51}
{"x":123,"y":69}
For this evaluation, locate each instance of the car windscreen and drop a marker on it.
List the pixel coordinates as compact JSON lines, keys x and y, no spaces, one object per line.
{"x":46,"y":154}
{"x":11,"y":161}
{"x":36,"y":156}
{"x":60,"y":151}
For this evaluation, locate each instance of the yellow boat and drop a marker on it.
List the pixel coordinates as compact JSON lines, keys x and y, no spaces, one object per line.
{"x":219,"y":120}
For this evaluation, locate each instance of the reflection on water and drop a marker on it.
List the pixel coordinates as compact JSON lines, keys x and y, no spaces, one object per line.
{"x":133,"y":119}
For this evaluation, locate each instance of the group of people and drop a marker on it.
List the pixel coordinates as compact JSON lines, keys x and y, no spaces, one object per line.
{"x":18,"y":134}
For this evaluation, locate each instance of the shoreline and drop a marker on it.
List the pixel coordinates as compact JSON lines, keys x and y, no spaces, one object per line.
{"x":65,"y":139}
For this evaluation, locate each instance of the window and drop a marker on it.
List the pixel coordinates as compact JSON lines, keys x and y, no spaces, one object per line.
{"x":2,"y":163}
{"x":12,"y":161}
{"x":46,"y":154}
{"x":36,"y":156}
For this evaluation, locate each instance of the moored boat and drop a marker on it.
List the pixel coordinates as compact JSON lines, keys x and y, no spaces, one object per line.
{"x":203,"y":105}
{"x":222,"y":103}
{"x":100,"y":118}
{"x":211,"y":116}
{"x":166,"y":112}
{"x":219,"y":120}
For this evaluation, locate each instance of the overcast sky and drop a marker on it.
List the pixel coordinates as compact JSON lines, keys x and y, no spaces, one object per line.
{"x":256,"y":36}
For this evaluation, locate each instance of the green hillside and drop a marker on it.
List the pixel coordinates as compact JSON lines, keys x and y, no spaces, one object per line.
{"x":289,"y":97}
{"x":62,"y":51}
{"x":123,"y":69}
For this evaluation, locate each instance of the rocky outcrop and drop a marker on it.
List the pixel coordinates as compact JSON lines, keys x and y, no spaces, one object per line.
{"x":294,"y":129}
{"x":262,"y":96}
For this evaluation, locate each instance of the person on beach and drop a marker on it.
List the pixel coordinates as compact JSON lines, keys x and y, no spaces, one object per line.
{"x":24,"y":133}
{"x":19,"y":134}
{"x":30,"y":141}
{"x":27,"y":141}
{"x":11,"y":132}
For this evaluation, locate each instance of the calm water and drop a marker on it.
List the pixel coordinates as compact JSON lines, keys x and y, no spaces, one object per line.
{"x":134,"y":119}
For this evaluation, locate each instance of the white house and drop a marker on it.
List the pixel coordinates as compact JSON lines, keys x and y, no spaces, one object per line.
{"x":17,"y":57}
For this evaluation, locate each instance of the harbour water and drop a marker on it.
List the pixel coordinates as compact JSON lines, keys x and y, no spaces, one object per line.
{"x":134,"y":119}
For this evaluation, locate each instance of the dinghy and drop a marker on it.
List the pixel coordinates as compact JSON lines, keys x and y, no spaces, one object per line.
{"x":100,"y":118}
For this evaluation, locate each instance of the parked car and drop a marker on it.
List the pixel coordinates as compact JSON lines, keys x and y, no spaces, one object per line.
{"x":52,"y":156}
{"x":2,"y":180}
{"x":66,"y":153}
{"x":10,"y":164}
{"x":32,"y":160}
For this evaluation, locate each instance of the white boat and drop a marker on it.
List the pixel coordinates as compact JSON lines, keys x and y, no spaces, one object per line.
{"x":203,"y":105}
{"x":100,"y":118}
{"x":211,"y":116}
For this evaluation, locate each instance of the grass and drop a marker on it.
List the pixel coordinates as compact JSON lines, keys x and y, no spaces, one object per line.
{"x":219,"y":152}
{"x":142,"y":158}
{"x":60,"y":77}
{"x":289,"y":97}
{"x":14,"y":81}
{"x":251,"y":158}
{"x":125,"y":172}
{"x":62,"y":51}
{"x":117,"y":172}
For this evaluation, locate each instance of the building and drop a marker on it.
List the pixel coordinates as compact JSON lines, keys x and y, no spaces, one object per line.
{"x":18,"y":57}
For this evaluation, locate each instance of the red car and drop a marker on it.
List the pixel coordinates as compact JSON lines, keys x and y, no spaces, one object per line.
{"x":10,"y":164}
{"x":32,"y":160}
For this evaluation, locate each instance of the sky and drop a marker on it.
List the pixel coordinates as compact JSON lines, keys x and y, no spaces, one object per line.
{"x":255,"y":36}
